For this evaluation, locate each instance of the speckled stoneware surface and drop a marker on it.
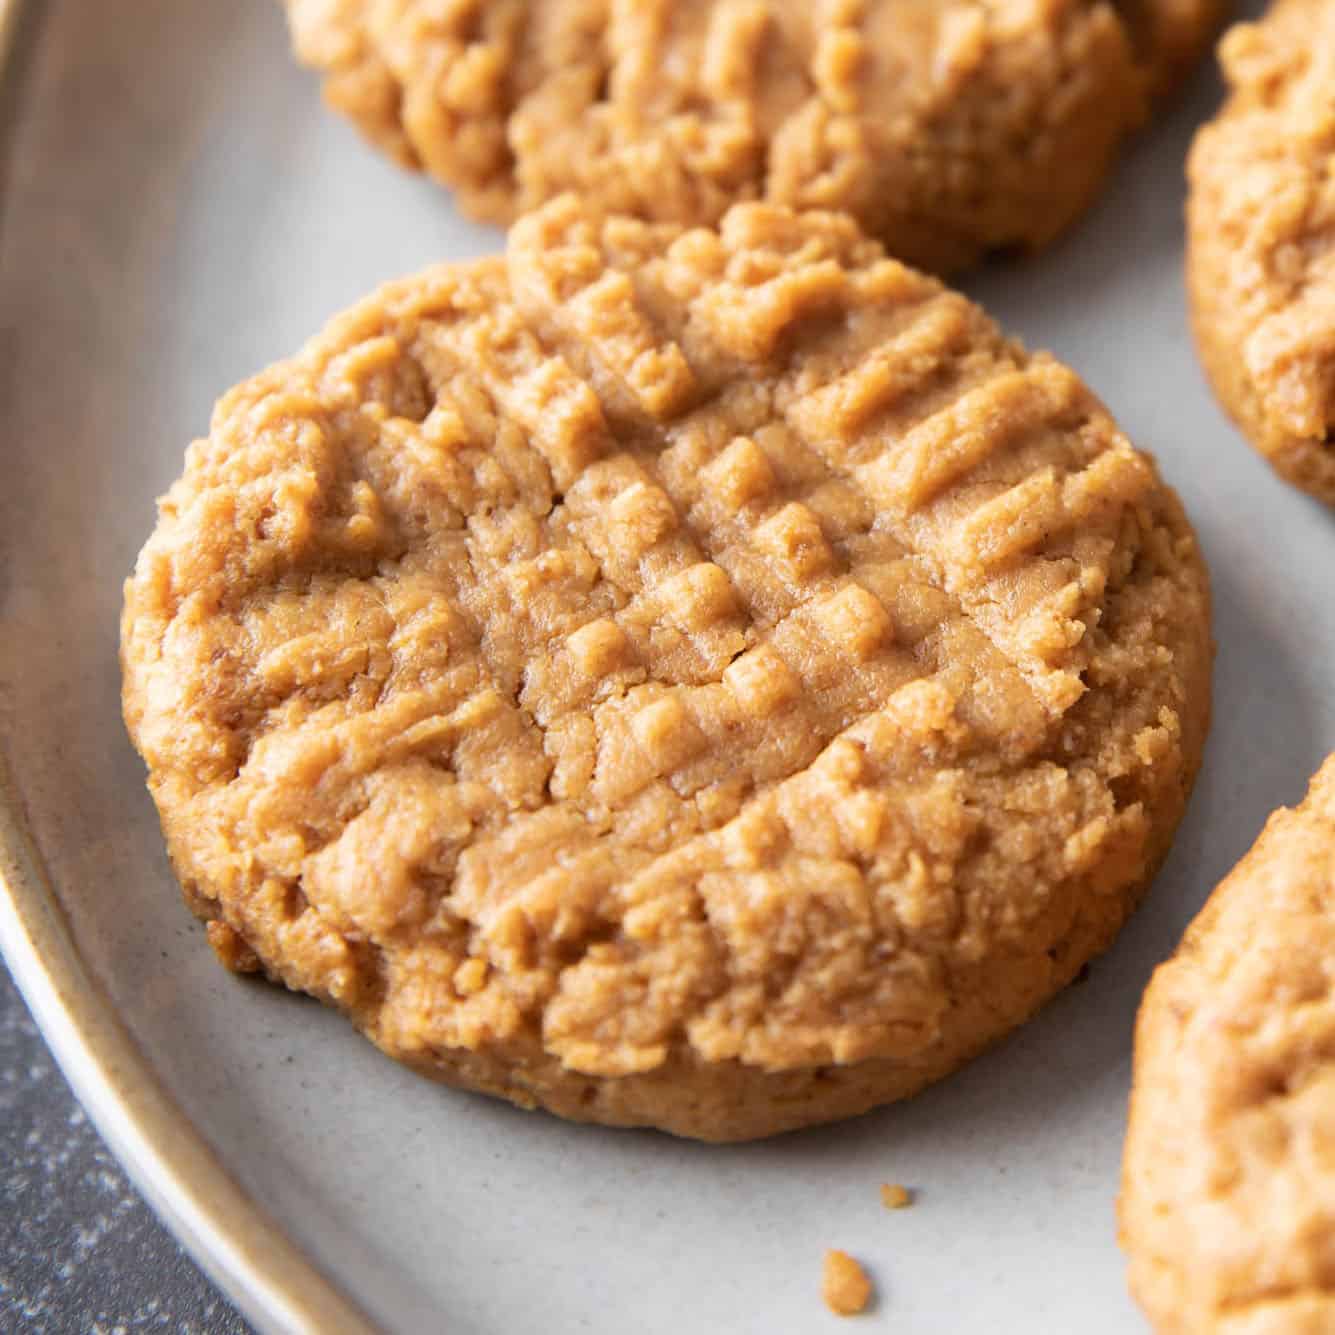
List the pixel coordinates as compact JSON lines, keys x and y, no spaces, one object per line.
{"x":178,"y":211}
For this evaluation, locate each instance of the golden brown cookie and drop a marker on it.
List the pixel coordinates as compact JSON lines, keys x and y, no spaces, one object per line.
{"x":1228,"y":1189}
{"x":1261,"y":240}
{"x":948,"y":128}
{"x":709,"y":679}
{"x":1170,"y":36}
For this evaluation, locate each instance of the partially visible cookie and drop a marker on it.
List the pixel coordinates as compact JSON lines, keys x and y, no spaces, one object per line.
{"x":948,"y":128}
{"x":1261,"y":240}
{"x":700,"y":678}
{"x":1228,"y":1189}
{"x":1170,"y":36}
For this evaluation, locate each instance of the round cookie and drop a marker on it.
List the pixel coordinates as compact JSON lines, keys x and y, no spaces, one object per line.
{"x":1261,"y":240}
{"x":950,"y":129}
{"x":1228,"y":1189}
{"x":705,"y":679}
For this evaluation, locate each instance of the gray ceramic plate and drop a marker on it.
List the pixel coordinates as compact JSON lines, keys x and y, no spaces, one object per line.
{"x":177,"y":211}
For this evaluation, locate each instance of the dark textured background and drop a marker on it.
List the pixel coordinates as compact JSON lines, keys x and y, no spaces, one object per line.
{"x":79,"y":1250}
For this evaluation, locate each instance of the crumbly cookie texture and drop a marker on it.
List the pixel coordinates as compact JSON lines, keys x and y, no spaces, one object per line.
{"x":948,"y":128}
{"x":708,"y":679}
{"x":1261,"y":240}
{"x":1228,"y":1190}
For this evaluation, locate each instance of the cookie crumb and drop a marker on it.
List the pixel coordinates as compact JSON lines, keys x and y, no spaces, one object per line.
{"x":844,"y":1285}
{"x":895,"y":1197}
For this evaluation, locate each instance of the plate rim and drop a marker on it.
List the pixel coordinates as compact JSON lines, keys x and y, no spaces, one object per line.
{"x":274,"y":1284}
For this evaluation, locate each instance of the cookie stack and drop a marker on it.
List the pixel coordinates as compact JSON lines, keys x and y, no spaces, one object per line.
{"x":693,"y":669}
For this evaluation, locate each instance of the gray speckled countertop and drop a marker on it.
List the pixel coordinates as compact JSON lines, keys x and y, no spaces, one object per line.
{"x":79,"y":1250}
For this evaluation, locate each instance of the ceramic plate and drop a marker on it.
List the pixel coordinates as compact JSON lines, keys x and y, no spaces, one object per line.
{"x":178,"y":210}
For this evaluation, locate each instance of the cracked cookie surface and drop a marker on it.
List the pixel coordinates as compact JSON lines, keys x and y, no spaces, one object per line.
{"x":1261,"y":240}
{"x":1228,"y":1192}
{"x":701,"y":678}
{"x":949,"y":128}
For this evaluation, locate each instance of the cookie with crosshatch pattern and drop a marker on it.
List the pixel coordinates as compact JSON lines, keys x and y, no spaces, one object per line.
{"x":951,"y":129}
{"x":708,"y":679}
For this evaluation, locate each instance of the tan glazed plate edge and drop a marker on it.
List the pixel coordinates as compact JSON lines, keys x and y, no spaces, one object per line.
{"x":226,"y":1232}
{"x":269,"y":1279}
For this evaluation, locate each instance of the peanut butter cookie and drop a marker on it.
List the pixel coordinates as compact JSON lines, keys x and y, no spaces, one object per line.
{"x":1169,"y":36}
{"x":1228,"y":1192}
{"x":700,"y":678}
{"x":1261,"y":240}
{"x":948,"y":128}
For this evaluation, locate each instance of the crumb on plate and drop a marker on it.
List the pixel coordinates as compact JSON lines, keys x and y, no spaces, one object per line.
{"x":844,"y":1285}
